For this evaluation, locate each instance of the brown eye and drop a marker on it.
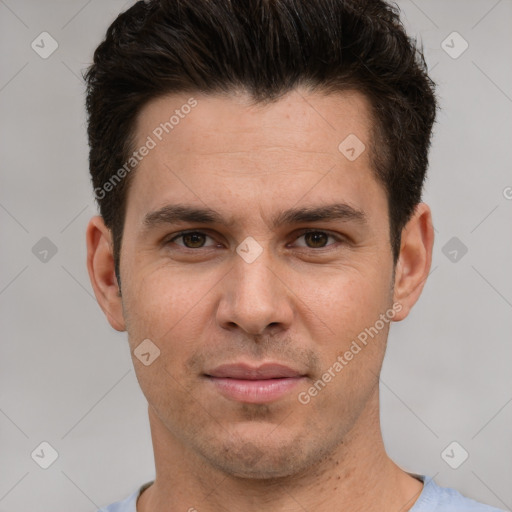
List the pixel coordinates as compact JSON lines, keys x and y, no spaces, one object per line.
{"x":316,"y":239}
{"x":192,"y":240}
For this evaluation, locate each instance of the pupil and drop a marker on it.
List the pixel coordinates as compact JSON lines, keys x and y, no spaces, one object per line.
{"x":318,"y":239}
{"x":193,"y":239}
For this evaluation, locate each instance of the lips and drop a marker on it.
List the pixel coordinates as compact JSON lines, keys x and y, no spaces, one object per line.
{"x":246,"y":372}
{"x":250,"y":384}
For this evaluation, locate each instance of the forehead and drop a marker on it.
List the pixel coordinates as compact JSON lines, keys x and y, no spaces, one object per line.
{"x":298,"y":121}
{"x":225,"y":146}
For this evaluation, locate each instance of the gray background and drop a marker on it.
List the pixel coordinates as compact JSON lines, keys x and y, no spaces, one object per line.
{"x":67,"y":377}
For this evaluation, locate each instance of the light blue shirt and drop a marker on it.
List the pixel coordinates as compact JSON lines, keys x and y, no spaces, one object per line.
{"x":433,"y":498}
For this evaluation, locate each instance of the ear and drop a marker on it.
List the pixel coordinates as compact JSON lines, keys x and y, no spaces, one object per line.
{"x":414,"y":261}
{"x":100,"y":264}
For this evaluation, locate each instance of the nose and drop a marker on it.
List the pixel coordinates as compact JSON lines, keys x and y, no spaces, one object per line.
{"x":256,"y":297}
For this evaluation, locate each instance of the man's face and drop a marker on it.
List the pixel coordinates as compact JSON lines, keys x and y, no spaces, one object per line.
{"x":300,"y":303}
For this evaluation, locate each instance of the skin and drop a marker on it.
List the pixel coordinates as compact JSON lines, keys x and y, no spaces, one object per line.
{"x":301,"y":303}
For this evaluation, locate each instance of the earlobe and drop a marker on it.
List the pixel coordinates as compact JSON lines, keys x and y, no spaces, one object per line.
{"x":415,"y":259}
{"x":100,"y":265}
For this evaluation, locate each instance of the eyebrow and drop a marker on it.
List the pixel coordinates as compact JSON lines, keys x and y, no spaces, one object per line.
{"x":175,"y":213}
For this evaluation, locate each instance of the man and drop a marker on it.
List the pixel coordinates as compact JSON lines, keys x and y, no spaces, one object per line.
{"x":258,"y":166}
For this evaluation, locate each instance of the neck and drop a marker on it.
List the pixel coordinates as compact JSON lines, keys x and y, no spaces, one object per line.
{"x":357,"y":475}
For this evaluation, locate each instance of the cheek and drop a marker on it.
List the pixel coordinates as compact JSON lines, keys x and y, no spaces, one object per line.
{"x":350,"y":339}
{"x":168,"y":308}
{"x":165,"y":304}
{"x":344,"y":300}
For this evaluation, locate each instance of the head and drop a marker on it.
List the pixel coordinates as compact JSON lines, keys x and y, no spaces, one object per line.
{"x":244,"y":110}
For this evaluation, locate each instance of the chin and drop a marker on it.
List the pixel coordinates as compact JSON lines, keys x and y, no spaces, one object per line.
{"x":261,"y":469}
{"x":264,"y":461}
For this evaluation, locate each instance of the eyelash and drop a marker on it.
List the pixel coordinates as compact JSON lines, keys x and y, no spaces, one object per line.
{"x":301,"y":234}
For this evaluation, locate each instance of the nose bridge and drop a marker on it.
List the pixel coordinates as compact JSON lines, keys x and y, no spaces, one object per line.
{"x":253,"y":274}
{"x":255,"y":297}
{"x":253,"y":270}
